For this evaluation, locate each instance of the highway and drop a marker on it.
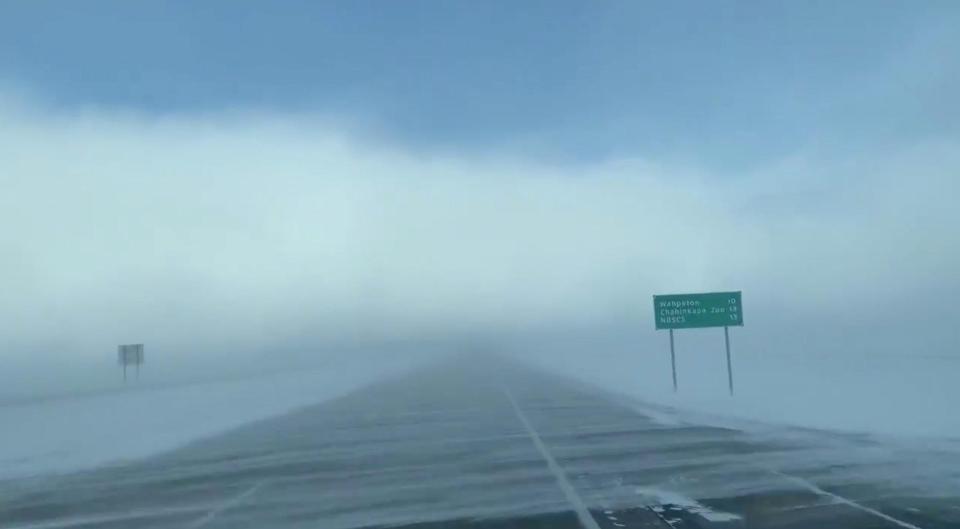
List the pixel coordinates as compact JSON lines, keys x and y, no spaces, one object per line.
{"x":489,"y":444}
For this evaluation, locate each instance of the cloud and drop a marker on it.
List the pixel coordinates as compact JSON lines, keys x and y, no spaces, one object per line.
{"x":246,"y":230}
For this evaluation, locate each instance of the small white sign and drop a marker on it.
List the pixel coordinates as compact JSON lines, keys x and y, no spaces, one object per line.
{"x":130,"y":354}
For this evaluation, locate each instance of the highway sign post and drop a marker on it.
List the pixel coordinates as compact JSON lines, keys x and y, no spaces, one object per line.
{"x":693,"y":311}
{"x":130,"y":354}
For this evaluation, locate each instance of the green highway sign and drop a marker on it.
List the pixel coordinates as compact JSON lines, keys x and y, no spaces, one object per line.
{"x":688,"y":311}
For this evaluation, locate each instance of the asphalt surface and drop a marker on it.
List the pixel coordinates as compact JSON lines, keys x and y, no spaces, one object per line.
{"x":487,"y":444}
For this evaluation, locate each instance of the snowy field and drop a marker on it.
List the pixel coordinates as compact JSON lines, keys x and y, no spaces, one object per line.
{"x":890,"y":395}
{"x":69,"y":434}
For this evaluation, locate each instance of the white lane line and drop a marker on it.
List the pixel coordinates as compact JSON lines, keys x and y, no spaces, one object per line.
{"x":586,"y":520}
{"x":232,"y":502}
{"x":100,"y":519}
{"x":840,"y":499}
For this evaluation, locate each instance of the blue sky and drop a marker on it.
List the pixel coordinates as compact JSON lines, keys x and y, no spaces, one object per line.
{"x":725,"y":84}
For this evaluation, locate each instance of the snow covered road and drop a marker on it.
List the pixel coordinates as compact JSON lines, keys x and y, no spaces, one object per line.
{"x":490,"y":444}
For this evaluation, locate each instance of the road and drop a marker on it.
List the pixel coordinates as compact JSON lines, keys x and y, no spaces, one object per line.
{"x":488,"y":444}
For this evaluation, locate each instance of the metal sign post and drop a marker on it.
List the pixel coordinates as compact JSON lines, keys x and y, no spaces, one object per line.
{"x":130,"y":354}
{"x":726,"y":339}
{"x":692,"y":311}
{"x":673,"y":362}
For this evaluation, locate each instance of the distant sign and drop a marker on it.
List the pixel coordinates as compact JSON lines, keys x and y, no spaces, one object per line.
{"x":131,"y":354}
{"x":688,"y":311}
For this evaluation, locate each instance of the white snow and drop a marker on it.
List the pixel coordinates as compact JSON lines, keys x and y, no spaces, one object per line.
{"x":882,"y":418}
{"x":659,"y":497}
{"x":70,"y":434}
{"x":901,"y":395}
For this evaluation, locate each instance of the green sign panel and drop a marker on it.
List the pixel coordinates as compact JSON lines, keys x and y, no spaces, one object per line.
{"x":688,"y":311}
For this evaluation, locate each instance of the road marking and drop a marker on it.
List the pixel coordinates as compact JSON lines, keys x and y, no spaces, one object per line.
{"x":100,"y":519}
{"x":840,"y":499}
{"x":586,"y":520}
{"x":232,"y":502}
